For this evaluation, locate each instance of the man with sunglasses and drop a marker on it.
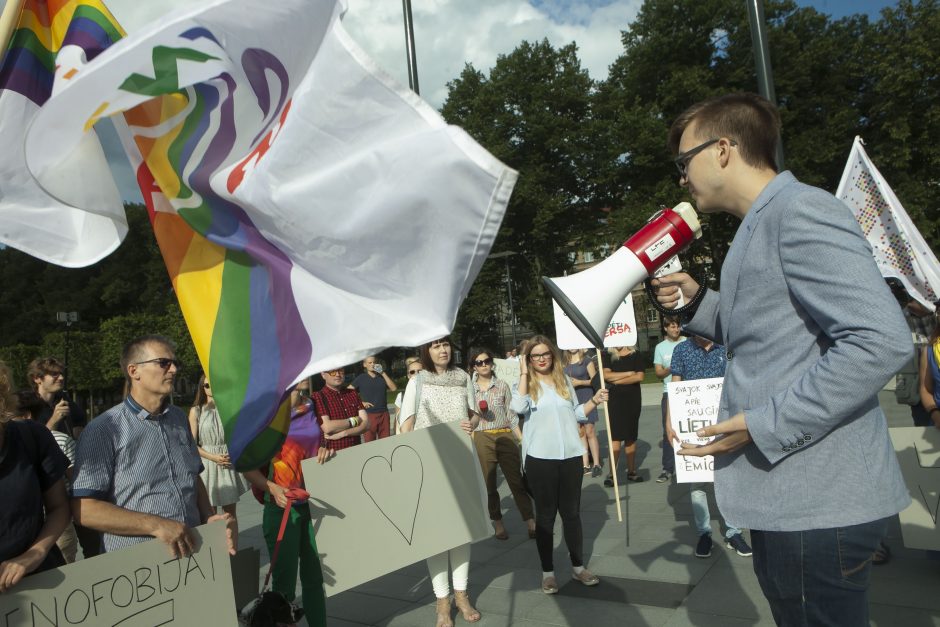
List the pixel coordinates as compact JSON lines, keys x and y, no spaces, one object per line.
{"x":811,"y":333}
{"x":340,"y":411}
{"x":137,"y":467}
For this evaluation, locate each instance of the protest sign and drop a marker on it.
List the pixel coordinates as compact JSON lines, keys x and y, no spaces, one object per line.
{"x":137,"y":586}
{"x":392,"y":502}
{"x":507,"y":370}
{"x":693,"y":405}
{"x":621,"y":331}
{"x":918,"y":450}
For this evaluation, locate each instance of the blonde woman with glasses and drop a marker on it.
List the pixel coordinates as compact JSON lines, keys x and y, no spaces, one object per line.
{"x":551,"y":453}
{"x":412,"y":367}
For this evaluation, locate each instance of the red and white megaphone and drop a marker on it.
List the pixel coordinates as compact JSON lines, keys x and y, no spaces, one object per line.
{"x":590,"y":298}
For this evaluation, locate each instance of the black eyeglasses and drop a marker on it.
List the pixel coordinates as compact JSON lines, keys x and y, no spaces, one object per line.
{"x":163,"y":362}
{"x":484,"y":362}
{"x":414,"y":371}
{"x":682,"y":159}
{"x":540,"y":356}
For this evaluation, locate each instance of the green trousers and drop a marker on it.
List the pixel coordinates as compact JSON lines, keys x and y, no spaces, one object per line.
{"x":298,"y":545}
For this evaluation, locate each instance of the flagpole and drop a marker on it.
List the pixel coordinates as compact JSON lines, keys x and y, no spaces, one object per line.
{"x":765,"y":75}
{"x":410,"y":47}
{"x":8,"y":20}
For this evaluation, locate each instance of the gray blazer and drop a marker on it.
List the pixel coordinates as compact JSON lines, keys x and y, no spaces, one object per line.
{"x":812,"y":334}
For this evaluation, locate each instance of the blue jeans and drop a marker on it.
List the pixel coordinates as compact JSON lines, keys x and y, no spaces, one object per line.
{"x":703,"y":520}
{"x":819,"y":576}
{"x":669,"y":455}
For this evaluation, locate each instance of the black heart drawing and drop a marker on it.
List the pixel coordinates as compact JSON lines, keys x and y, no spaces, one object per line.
{"x":385,"y":489}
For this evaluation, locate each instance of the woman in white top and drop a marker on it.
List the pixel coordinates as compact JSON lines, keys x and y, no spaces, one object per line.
{"x":551,"y":452}
{"x":412,"y":366}
{"x":442,"y":393}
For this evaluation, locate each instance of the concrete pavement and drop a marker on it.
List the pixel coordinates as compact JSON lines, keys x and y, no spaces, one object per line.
{"x":649,"y":576}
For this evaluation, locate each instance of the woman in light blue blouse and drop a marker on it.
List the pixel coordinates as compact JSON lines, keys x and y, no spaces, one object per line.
{"x":551,"y":452}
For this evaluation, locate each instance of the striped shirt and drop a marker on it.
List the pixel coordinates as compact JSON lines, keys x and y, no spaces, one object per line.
{"x":337,"y":405}
{"x":497,"y":396}
{"x":142,"y":462}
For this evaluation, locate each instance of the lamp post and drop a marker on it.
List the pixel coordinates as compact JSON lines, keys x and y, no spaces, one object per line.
{"x":68,"y":317}
{"x":512,"y":311}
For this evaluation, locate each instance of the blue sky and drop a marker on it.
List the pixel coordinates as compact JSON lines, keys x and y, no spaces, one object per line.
{"x":841,"y":8}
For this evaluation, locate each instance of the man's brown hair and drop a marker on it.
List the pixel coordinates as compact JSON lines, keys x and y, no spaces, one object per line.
{"x":40,"y":367}
{"x":750,"y":120}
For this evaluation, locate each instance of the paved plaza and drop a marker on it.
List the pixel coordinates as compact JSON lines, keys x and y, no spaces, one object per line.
{"x":649,"y":576}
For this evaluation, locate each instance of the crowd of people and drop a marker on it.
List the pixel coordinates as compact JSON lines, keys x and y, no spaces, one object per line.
{"x":799,"y":408}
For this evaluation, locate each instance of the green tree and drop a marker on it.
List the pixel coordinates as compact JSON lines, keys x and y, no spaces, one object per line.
{"x":531,"y":112}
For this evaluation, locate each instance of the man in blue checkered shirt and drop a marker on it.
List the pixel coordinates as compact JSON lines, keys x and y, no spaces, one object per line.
{"x":137,"y":468}
{"x":700,"y":358}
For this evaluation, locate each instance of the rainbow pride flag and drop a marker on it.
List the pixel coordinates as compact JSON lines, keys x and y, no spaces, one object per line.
{"x":51,"y":43}
{"x":309,"y":210}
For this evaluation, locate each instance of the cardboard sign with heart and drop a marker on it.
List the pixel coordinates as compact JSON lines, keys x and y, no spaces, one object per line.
{"x":405,"y":471}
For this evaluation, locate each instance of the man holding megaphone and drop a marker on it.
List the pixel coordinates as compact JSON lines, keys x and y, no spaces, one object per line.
{"x":802,"y":453}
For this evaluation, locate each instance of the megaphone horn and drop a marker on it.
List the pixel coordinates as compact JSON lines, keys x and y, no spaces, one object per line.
{"x":590,"y":298}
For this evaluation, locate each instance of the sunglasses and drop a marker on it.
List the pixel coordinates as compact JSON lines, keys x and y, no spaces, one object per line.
{"x":163,"y":362}
{"x":205,"y":385}
{"x":484,"y":362}
{"x":54,"y":375}
{"x":414,"y":371}
{"x":336,"y":373}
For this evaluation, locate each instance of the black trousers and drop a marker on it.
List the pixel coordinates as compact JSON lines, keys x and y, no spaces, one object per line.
{"x":556,"y":488}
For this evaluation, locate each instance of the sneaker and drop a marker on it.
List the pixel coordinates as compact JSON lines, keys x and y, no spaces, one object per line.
{"x":586,"y":577}
{"x":596,"y":472}
{"x":587,"y":470}
{"x":632,"y":476}
{"x":740,"y":546}
{"x":609,"y":482}
{"x":664,"y":476}
{"x":704,"y":546}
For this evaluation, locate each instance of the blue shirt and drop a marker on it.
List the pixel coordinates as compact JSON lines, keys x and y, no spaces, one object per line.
{"x":690,"y":361}
{"x":550,"y":425}
{"x":143,"y":462}
{"x":662,"y":355}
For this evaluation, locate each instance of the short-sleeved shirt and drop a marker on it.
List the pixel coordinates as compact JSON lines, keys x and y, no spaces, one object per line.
{"x":76,"y":417}
{"x":337,"y":405}
{"x":690,"y":361}
{"x":662,"y":356}
{"x":142,"y":462}
{"x":372,"y":390}
{"x":27,"y":469}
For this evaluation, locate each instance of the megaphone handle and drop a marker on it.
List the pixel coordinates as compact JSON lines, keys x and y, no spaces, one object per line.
{"x":686,"y":310}
{"x":610,"y":439}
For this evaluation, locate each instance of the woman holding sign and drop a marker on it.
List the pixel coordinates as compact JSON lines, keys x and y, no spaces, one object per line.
{"x":551,"y":453}
{"x":443,"y":393}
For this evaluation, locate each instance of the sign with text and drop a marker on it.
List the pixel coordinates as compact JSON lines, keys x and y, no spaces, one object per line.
{"x":134,"y":587}
{"x":693,"y":405}
{"x":621,"y":331}
{"x":380,"y":506}
{"x":507,"y":370}
{"x":918,"y":450}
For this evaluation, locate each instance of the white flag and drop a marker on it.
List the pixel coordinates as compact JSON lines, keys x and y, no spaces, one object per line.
{"x":899,"y":249}
{"x":310,"y":210}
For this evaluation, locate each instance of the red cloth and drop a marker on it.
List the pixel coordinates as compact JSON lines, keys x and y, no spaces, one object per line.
{"x":337,"y":405}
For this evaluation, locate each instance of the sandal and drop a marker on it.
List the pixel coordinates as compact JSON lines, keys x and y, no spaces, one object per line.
{"x":882,"y":555}
{"x":632,"y":476}
{"x":587,"y":470}
{"x":443,"y":613}
{"x":462,"y":599}
{"x":549,"y":585}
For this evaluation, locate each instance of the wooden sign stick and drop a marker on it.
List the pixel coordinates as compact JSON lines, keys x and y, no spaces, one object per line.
{"x":8,"y":21}
{"x":610,"y":440}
